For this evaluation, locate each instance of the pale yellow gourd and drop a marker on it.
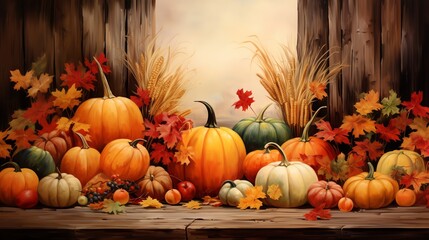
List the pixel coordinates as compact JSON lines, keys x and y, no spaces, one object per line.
{"x":59,"y":190}
{"x":409,"y":160}
{"x":231,"y":191}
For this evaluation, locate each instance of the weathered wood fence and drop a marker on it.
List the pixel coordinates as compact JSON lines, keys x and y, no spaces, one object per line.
{"x":381,"y":41}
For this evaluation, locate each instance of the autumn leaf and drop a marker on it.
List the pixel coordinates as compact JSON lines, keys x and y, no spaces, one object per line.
{"x":415,"y":105}
{"x":64,"y":124}
{"x":274,"y":191}
{"x":398,"y":172}
{"x":4,"y":147}
{"x":355,"y":162}
{"x":169,"y":134}
{"x":421,"y":127}
{"x":19,"y":121}
{"x":160,"y":153}
{"x":96,"y":205}
{"x":368,"y":103}
{"x":401,"y":121}
{"x":252,"y":198}
{"x":326,"y":133}
{"x":308,"y":159}
{"x":78,"y":77}
{"x":372,"y":149}
{"x":192,"y":204}
{"x":212,"y":201}
{"x":67,"y":99}
{"x":390,"y":104}
{"x":47,"y":127}
{"x":184,"y":154}
{"x":318,"y":213}
{"x":389,"y":133}
{"x":112,"y":207}
{"x":358,"y":125}
{"x":415,"y":179}
{"x":150,"y":129}
{"x":245,"y":100}
{"x":324,"y":166}
{"x":40,"y":85}
{"x":21,"y":81}
{"x":39,"y":109}
{"x":151,"y":203}
{"x":339,"y":168}
{"x":318,"y":89}
{"x":141,"y":98}
{"x":23,"y":138}
{"x":92,"y":65}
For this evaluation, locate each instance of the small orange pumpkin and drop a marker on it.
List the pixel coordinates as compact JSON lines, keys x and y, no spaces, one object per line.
{"x":155,"y":183}
{"x":56,"y":142}
{"x":323,"y":192}
{"x":173,"y":196}
{"x":257,"y":159}
{"x":405,"y":197}
{"x":345,"y":204}
{"x":82,"y":162}
{"x":128,"y":159}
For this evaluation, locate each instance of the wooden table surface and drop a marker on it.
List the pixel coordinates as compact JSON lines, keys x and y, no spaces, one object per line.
{"x":178,"y":222}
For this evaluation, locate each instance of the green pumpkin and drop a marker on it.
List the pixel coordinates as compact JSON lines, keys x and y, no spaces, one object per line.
{"x":256,"y":132}
{"x":37,"y":159}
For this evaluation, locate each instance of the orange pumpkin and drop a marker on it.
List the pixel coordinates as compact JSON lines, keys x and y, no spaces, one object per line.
{"x":56,"y":142}
{"x":323,"y":192}
{"x":82,"y":162}
{"x":295,"y":148}
{"x":110,"y":117}
{"x":257,"y":159}
{"x":126,"y":158}
{"x":218,"y":155}
{"x":345,"y":204}
{"x":13,"y":180}
{"x":155,"y":183}
{"x":405,"y":197}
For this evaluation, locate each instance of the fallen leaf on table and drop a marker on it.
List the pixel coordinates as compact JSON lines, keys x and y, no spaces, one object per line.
{"x":192,"y":205}
{"x":112,"y":207}
{"x":150,"y":202}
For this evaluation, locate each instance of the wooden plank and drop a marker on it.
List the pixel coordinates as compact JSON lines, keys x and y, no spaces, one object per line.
{"x":11,"y":48}
{"x":67,"y":34}
{"x":115,"y":45}
{"x":423,"y":26}
{"x":348,"y":93}
{"x":391,"y":46}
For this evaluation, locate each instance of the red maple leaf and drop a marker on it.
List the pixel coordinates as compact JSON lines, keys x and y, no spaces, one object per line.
{"x":23,"y":138}
{"x":355,"y":163}
{"x":78,"y":76}
{"x":141,"y":98}
{"x":245,"y":100}
{"x":326,"y":133}
{"x":160,"y":153}
{"x":373,"y":149}
{"x":92,"y":65}
{"x":39,"y":110}
{"x":415,"y":179}
{"x":401,"y":121}
{"x":414,"y":105}
{"x":389,"y":133}
{"x":318,"y":213}
{"x":47,"y":127}
{"x":150,"y":129}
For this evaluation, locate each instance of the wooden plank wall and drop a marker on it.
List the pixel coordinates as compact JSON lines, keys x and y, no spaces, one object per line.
{"x":380,"y":41}
{"x":69,"y":31}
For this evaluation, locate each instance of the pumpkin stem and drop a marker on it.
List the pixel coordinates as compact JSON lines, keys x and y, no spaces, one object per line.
{"x":304,"y":137}
{"x":260,"y":116}
{"x":151,"y":177}
{"x":14,"y":164}
{"x":83,"y":140}
{"x":59,"y":174}
{"x":370,"y":175}
{"x":233,"y":185}
{"x":211,"y":119}
{"x":107,"y":92}
{"x":134,"y":143}
{"x":284,"y":161}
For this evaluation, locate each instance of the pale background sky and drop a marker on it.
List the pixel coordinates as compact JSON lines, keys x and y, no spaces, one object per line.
{"x":211,"y":32}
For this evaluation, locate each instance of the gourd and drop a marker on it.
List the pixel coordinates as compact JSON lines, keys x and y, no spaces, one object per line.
{"x":59,"y":190}
{"x":309,"y":146}
{"x":155,"y":183}
{"x":231,"y":191}
{"x":257,"y":159}
{"x":218,"y":156}
{"x":345,"y":204}
{"x":323,"y":192}
{"x":256,"y":132}
{"x":371,"y":189}
{"x":37,"y":159}
{"x":13,"y":180}
{"x":56,"y":142}
{"x":82,"y":162}
{"x":293,"y":178}
{"x":128,"y":159}
{"x":109,"y":117}
{"x":409,"y":160}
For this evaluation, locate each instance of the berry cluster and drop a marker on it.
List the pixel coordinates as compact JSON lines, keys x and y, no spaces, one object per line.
{"x":98,"y":194}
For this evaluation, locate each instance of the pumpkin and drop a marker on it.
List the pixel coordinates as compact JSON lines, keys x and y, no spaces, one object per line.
{"x":82,"y":162}
{"x":172,"y":196}
{"x":256,"y":159}
{"x":218,"y":154}
{"x":59,"y":190}
{"x":13,"y":180}
{"x":405,"y":197}
{"x":126,"y":158}
{"x":56,"y":142}
{"x":409,"y":160}
{"x":323,"y":192}
{"x":256,"y":132}
{"x":231,"y":191}
{"x":293,"y":178}
{"x":295,"y":148}
{"x":371,"y":189}
{"x":345,"y":204}
{"x":37,"y":159}
{"x":110,"y":117}
{"x":155,"y":183}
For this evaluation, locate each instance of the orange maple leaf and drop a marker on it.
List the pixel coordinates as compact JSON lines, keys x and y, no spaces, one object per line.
{"x":415,"y":179}
{"x":192,"y":204}
{"x":274,"y":191}
{"x":212,"y":201}
{"x":67,"y":99}
{"x":39,"y":110}
{"x":4,"y":147}
{"x":318,"y":89}
{"x":372,"y":149}
{"x":252,"y":198}
{"x":358,"y":124}
{"x":368,"y":103}
{"x":355,"y":163}
{"x":22,"y":137}
{"x":40,"y":85}
{"x":184,"y":154}
{"x":21,"y":81}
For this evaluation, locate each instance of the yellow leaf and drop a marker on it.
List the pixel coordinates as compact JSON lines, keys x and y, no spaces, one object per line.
{"x":150,"y":202}
{"x":255,"y":192}
{"x":21,"y":81}
{"x":40,"y":85}
{"x":368,"y":103}
{"x":420,"y":125}
{"x":318,"y":89}
{"x":19,"y":121}
{"x":4,"y":147}
{"x":358,"y":124}
{"x":249,"y":202}
{"x":274,"y":191}
{"x":64,"y":124}
{"x":192,"y":205}
{"x":184,"y":153}
{"x":67,"y":99}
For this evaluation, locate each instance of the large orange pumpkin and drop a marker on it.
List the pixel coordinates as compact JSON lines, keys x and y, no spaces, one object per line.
{"x":218,"y":156}
{"x":82,"y":162}
{"x":128,"y":159}
{"x":110,"y":117}
{"x":13,"y":180}
{"x":56,"y":142}
{"x":297,"y":147}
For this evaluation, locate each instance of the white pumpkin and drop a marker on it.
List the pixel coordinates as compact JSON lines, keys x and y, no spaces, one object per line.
{"x":59,"y":190}
{"x":231,"y":191}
